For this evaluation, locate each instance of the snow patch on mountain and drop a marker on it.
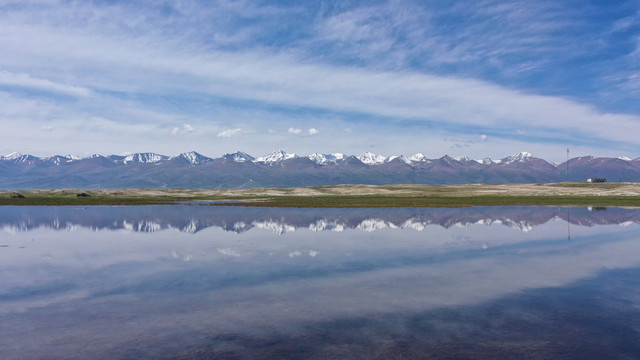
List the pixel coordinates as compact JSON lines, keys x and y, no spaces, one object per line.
{"x":370,"y":225}
{"x":276,"y":227}
{"x":240,"y":226}
{"x":488,"y":161}
{"x":96,"y":156}
{"x":625,"y":158}
{"x":192,"y":227}
{"x":587,"y":158}
{"x":523,"y":226}
{"x":146,"y":226}
{"x":57,"y":159}
{"x":414,"y":224}
{"x":323,"y":225}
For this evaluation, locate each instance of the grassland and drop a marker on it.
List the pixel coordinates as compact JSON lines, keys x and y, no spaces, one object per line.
{"x":607,"y":194}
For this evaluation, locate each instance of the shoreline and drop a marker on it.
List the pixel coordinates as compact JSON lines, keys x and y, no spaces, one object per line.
{"x":552,"y":194}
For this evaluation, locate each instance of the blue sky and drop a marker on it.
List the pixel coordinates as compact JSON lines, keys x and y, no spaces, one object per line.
{"x":477,"y":78}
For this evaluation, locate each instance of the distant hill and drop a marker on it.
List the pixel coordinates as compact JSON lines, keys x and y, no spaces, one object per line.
{"x":281,"y":169}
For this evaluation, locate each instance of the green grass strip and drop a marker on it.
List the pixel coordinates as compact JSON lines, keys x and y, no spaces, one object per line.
{"x":439,"y":201}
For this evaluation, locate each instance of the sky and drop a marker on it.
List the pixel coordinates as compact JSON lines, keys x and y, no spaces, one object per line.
{"x":486,"y":78}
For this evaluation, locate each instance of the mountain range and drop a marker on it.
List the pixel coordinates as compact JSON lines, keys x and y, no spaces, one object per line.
{"x":281,"y":169}
{"x":193,"y":219}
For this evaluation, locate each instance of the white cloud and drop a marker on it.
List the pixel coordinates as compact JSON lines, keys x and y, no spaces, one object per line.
{"x":25,"y":80}
{"x":483,"y":137}
{"x":294,"y":131}
{"x":186,"y":129}
{"x":229,"y":133}
{"x":402,"y":95}
{"x":75,"y":57}
{"x":313,"y":131}
{"x":228,"y":252}
{"x":626,"y":22}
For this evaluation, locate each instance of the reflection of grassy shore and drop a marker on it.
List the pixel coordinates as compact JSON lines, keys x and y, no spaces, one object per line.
{"x":608,"y":194}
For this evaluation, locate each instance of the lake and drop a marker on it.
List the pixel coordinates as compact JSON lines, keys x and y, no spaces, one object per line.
{"x":194,"y":281}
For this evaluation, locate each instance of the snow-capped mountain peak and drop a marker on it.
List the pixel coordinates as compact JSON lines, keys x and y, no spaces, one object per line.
{"x":144,"y":158}
{"x":275,"y":157}
{"x":419,"y":157}
{"x":20,"y":158}
{"x":449,"y":160}
{"x":189,"y":168}
{"x":520,"y":157}
{"x":12,"y":156}
{"x":399,"y":157}
{"x":625,"y":158}
{"x":240,"y":157}
{"x":194,"y":158}
{"x":324,"y":159}
{"x":371,"y":158}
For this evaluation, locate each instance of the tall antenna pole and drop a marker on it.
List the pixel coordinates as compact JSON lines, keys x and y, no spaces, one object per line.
{"x":567,"y":164}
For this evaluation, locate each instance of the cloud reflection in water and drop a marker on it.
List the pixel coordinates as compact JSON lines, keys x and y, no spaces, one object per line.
{"x":217,"y":288}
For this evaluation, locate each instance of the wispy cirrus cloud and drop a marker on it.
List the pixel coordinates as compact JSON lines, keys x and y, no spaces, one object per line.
{"x":229,"y":133}
{"x":459,"y":69}
{"x":452,"y":32}
{"x":27,"y":81}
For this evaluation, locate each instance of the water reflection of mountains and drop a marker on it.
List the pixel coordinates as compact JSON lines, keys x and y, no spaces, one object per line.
{"x":281,"y":220}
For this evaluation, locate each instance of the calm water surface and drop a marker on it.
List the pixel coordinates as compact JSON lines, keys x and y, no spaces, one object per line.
{"x":200,"y":282}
